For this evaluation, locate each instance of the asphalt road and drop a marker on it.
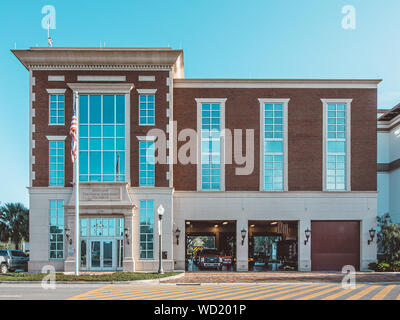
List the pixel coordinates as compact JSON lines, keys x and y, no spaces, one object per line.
{"x":34,"y":291}
{"x":272,"y":291}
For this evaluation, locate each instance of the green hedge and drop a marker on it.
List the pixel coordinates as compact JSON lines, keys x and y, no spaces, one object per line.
{"x":117,"y":276}
{"x":385,"y":266}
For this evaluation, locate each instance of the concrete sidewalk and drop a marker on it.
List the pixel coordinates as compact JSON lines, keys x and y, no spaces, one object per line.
{"x":285,"y":277}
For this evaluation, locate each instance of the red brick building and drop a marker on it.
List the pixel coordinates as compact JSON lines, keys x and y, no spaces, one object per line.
{"x":276,"y":173}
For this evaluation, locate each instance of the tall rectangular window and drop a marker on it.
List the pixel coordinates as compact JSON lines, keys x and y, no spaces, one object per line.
{"x":102,"y":138}
{"x":210,"y":146}
{"x":336,"y":147}
{"x":56,"y":163}
{"x":56,"y":229}
{"x":146,"y":163}
{"x":57,"y":109}
{"x":147,"y":109}
{"x":146,"y":229}
{"x":273,"y":147}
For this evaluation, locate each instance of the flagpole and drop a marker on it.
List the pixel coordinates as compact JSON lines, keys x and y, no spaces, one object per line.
{"x":77,"y":258}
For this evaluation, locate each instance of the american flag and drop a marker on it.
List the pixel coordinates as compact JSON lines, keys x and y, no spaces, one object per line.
{"x":73,"y":132}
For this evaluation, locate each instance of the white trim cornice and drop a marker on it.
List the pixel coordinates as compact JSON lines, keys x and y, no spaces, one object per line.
{"x":56,"y":138}
{"x":275,"y":83}
{"x":146,"y":138}
{"x":146,"y":91}
{"x":124,"y":88}
{"x":56,"y":91}
{"x":108,"y":67}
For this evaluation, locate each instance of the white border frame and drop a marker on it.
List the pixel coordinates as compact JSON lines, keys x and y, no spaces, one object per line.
{"x":222,"y":102}
{"x":285,"y":102}
{"x":325,"y":103}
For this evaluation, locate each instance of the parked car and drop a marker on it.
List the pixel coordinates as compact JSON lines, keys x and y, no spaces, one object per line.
{"x":11,"y":260}
{"x":210,"y":258}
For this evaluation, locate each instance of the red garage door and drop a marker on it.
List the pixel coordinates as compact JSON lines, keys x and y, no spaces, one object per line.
{"x":335,"y":244}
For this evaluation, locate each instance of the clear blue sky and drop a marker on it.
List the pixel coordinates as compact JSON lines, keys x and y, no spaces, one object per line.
{"x":221,"y":39}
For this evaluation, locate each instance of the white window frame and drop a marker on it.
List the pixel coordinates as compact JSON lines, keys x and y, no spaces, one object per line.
{"x":63,"y":233}
{"x":221,"y":102}
{"x":146,"y":92}
{"x":325,"y":103}
{"x":285,"y":103}
{"x":154,"y":233}
{"x":56,"y":139}
{"x":57,"y":92}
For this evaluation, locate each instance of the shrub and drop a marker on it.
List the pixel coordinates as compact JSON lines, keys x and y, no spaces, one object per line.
{"x":372,"y":266}
{"x":396,"y":266}
{"x":383,"y":267}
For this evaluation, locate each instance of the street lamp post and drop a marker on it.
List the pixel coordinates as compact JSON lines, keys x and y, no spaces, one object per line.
{"x":160,"y":212}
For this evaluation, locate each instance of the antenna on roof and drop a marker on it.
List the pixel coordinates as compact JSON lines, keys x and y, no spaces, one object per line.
{"x":49,"y":39}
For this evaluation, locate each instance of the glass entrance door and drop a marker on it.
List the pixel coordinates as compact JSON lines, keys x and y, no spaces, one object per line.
{"x":108,"y":254}
{"x":101,"y":256}
{"x":95,"y":254}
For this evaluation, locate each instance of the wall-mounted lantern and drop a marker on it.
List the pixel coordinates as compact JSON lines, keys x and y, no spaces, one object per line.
{"x":243,"y":232}
{"x":68,"y":235}
{"x":177,"y":235}
{"x":372,"y":233}
{"x":307,"y":233}
{"x":127,"y":234}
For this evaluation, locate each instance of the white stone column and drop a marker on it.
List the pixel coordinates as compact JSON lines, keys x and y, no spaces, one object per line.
{"x":304,"y":251}
{"x":242,"y":251}
{"x":69,"y":262}
{"x":179,"y":250}
{"x":128,"y":263}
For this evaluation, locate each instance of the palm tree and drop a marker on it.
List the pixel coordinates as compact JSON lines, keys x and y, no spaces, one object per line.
{"x":14,"y":223}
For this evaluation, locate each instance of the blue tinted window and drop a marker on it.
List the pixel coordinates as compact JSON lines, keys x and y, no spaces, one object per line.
{"x":146,"y":233}
{"x":57,"y":109}
{"x":56,"y":229}
{"x":146,"y":109}
{"x":102,"y":141}
{"x":210,"y":147}
{"x":273,"y":147}
{"x":146,"y":163}
{"x":56,"y":163}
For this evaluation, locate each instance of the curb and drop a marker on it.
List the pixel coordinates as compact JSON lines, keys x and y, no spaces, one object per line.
{"x":149,"y":281}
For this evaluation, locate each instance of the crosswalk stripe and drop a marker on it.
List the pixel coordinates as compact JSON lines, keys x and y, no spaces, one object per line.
{"x":88,"y":292}
{"x":319,"y":293}
{"x":284,"y":291}
{"x":295,"y":294}
{"x":121,"y":292}
{"x":251,"y":294}
{"x":227,"y":292}
{"x":186,"y":294}
{"x":198,"y":296}
{"x":383,"y":293}
{"x":342,"y":293}
{"x":362,"y":293}
{"x":155,"y":293}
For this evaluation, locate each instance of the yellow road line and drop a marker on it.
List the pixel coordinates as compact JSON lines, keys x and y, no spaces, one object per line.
{"x":284,"y":291}
{"x":140,"y":293}
{"x":383,"y":293}
{"x":88,"y":292}
{"x":174,"y":291}
{"x":342,"y":293}
{"x":291,"y":295}
{"x":398,"y":297}
{"x":274,"y":289}
{"x":228,"y":289}
{"x":319,"y":293}
{"x":226,"y":295}
{"x":362,"y":293}
{"x":118,"y":291}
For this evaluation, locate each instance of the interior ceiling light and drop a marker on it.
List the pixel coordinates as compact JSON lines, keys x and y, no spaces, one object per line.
{"x":273,"y":223}
{"x":252,"y":226}
{"x":187,"y":222}
{"x":225,"y":222}
{"x":216,"y":226}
